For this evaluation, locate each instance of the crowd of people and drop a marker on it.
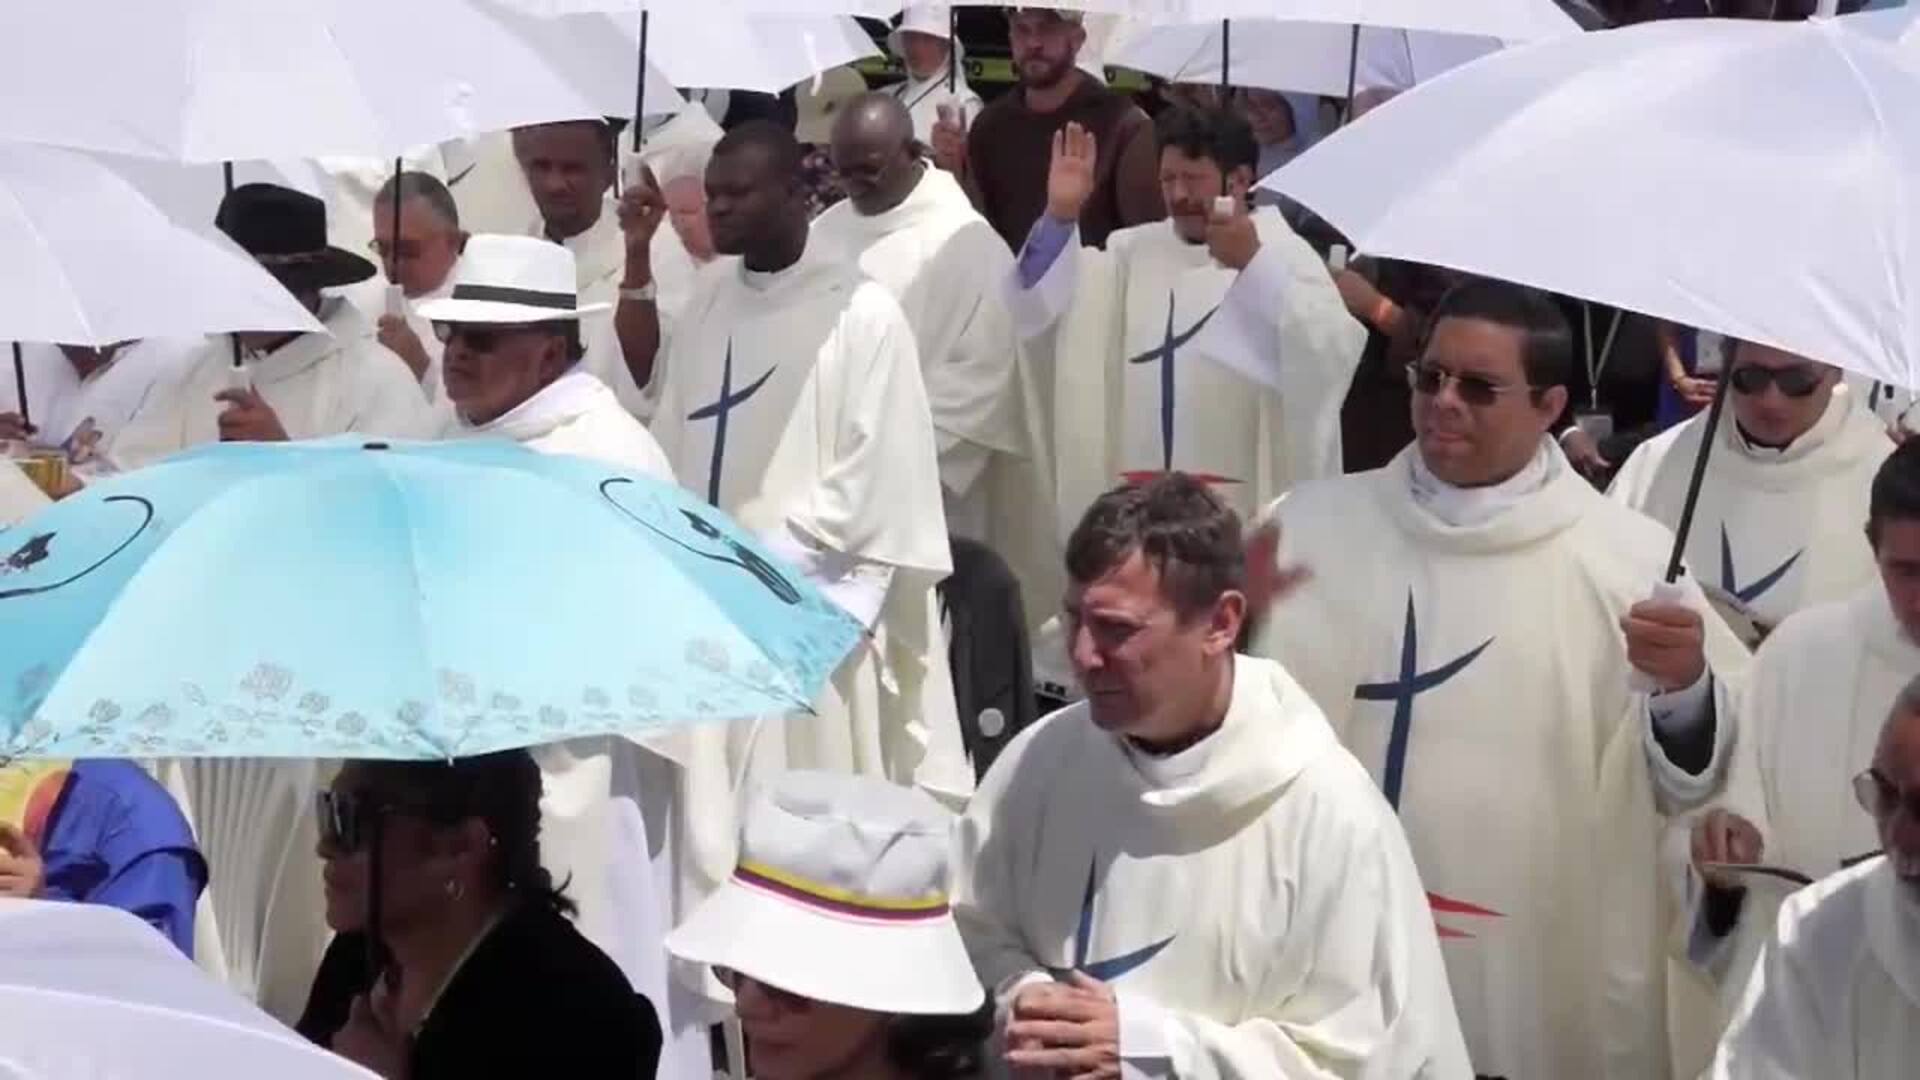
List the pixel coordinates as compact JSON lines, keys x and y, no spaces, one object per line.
{"x":1391,"y":751}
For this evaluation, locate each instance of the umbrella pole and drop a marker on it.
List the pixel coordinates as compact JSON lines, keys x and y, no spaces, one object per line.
{"x":953,"y":50}
{"x":1353,"y":70}
{"x":399,"y":166}
{"x":20,"y":387}
{"x":640,"y":84}
{"x":226,"y":178}
{"x":1675,"y":561}
{"x":376,"y":947}
{"x":1226,"y":58}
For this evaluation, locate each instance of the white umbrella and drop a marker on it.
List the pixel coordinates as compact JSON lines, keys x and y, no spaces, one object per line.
{"x":223,"y":80}
{"x":93,"y":993}
{"x":1745,"y":177}
{"x":1296,"y":57}
{"x":717,"y":47}
{"x":872,"y":9}
{"x":90,"y":261}
{"x":1509,"y":20}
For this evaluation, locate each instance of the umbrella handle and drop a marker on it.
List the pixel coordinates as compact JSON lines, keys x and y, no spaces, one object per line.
{"x":640,"y":84}
{"x":20,"y":387}
{"x":1680,"y":531}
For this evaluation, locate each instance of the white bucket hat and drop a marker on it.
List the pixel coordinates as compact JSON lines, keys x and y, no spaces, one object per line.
{"x":511,"y":280}
{"x":933,"y":20}
{"x":840,"y":896}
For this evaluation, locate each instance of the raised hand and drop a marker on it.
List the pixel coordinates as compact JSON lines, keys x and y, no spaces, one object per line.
{"x":950,"y":138}
{"x":1070,"y":176}
{"x":642,"y":209}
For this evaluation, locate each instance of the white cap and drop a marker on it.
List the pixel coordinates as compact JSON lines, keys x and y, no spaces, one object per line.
{"x":934,"y":20}
{"x":511,"y":280}
{"x":840,"y":896}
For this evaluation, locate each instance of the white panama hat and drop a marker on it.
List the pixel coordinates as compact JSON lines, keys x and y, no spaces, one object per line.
{"x":511,"y":280}
{"x":840,"y":896}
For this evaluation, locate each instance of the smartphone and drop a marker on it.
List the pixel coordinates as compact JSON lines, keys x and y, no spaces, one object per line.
{"x":1337,"y":257}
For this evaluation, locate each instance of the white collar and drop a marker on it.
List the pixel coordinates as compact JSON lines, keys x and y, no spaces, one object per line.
{"x":559,"y":402}
{"x":1470,"y":507}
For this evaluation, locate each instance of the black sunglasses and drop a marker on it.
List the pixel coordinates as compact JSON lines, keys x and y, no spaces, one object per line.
{"x":1797,"y":381}
{"x":786,"y":999}
{"x":1881,"y":798}
{"x":345,"y":820}
{"x":1428,"y":379}
{"x":481,"y":337}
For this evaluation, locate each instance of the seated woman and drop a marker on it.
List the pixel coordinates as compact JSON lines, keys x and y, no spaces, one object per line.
{"x":835,"y":937}
{"x":484,"y":974}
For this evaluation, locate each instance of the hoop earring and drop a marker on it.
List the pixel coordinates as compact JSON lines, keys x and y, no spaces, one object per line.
{"x":455,"y":890}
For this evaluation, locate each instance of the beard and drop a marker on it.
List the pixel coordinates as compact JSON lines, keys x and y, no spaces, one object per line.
{"x":1044,"y":73}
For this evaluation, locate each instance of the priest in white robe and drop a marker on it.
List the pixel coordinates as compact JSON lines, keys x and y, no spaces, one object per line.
{"x":912,"y":229}
{"x":79,"y":397}
{"x":1190,"y":853}
{"x":570,"y":169}
{"x":1213,"y":342}
{"x":1777,"y":528}
{"x":924,"y":44}
{"x":514,"y":371}
{"x":1838,"y":995}
{"x":417,"y":261}
{"x":1814,"y":702}
{"x":287,"y":386}
{"x":791,"y":398}
{"x":1477,"y":627}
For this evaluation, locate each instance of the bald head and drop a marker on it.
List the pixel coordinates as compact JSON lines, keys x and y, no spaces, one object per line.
{"x":874,"y":153}
{"x":1895,"y":785}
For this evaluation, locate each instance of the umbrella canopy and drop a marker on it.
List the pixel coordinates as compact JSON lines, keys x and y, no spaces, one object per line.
{"x":90,"y":992}
{"x":1508,"y":20}
{"x":1734,"y":176}
{"x":427,"y":601}
{"x":723,"y":48}
{"x":872,"y":9}
{"x":221,"y":80}
{"x":90,"y":261}
{"x":1295,"y":57}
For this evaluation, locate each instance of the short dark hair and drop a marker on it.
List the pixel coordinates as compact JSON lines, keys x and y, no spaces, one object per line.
{"x":419,"y":185}
{"x":501,"y":789}
{"x":1896,"y":490}
{"x":778,"y":143}
{"x":1184,"y":531}
{"x":940,"y":1047}
{"x":1220,"y":135}
{"x":607,"y":131}
{"x":1547,"y":346}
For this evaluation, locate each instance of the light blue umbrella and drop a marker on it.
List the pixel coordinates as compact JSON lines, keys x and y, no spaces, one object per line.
{"x":351,"y":599}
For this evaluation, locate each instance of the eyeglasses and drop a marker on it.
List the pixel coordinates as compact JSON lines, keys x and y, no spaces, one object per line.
{"x":1881,"y":798}
{"x":1797,"y":381}
{"x":1429,"y":379}
{"x":405,"y":249}
{"x":785,"y":999}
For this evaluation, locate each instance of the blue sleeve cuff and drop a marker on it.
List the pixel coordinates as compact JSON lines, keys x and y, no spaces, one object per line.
{"x":1045,"y":241}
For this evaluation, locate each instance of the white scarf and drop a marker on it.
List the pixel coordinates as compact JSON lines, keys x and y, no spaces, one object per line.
{"x":1471,"y":507}
{"x":559,"y":402}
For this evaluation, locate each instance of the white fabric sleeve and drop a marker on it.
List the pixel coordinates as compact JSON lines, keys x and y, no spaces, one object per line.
{"x":1144,"y":1037}
{"x":1244,"y":333}
{"x":1784,"y":1023}
{"x":1676,"y":789}
{"x":857,"y":586}
{"x":1035,"y":310}
{"x":1681,"y":713}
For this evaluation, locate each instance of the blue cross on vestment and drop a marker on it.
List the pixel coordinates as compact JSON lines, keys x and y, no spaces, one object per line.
{"x":1113,"y":967}
{"x":718,"y":413}
{"x":1412,"y":682}
{"x":1754,"y":590}
{"x":1170,"y":344}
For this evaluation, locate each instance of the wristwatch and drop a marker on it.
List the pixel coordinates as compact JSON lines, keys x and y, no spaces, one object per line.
{"x":646,"y":294}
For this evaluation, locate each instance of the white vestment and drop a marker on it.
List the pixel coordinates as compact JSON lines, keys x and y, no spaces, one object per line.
{"x":607,"y":801}
{"x":317,"y":384}
{"x":1153,"y":342}
{"x":1838,"y":997}
{"x":1480,"y":672}
{"x":1816,"y":696}
{"x":1776,"y":530}
{"x":61,"y":403}
{"x":20,"y":498}
{"x":1251,"y":899}
{"x":946,"y":266}
{"x":793,"y":401}
{"x":370,"y":297}
{"x":600,"y":259}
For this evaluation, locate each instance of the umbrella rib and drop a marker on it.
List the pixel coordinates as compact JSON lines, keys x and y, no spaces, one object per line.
{"x":421,"y":728}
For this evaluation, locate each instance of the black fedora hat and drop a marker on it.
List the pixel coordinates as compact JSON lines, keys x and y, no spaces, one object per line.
{"x":286,"y":232}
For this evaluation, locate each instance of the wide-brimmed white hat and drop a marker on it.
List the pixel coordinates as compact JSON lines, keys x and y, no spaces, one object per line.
{"x":511,"y":280}
{"x":840,"y":896}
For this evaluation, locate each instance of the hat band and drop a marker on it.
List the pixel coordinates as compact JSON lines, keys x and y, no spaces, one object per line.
{"x":296,"y":258}
{"x":839,"y":901}
{"x":504,"y":294}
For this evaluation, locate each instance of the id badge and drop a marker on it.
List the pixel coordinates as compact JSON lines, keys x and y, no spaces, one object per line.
{"x":1598,"y":425}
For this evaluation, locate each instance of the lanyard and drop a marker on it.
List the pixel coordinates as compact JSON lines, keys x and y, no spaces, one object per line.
{"x":1597,"y":362}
